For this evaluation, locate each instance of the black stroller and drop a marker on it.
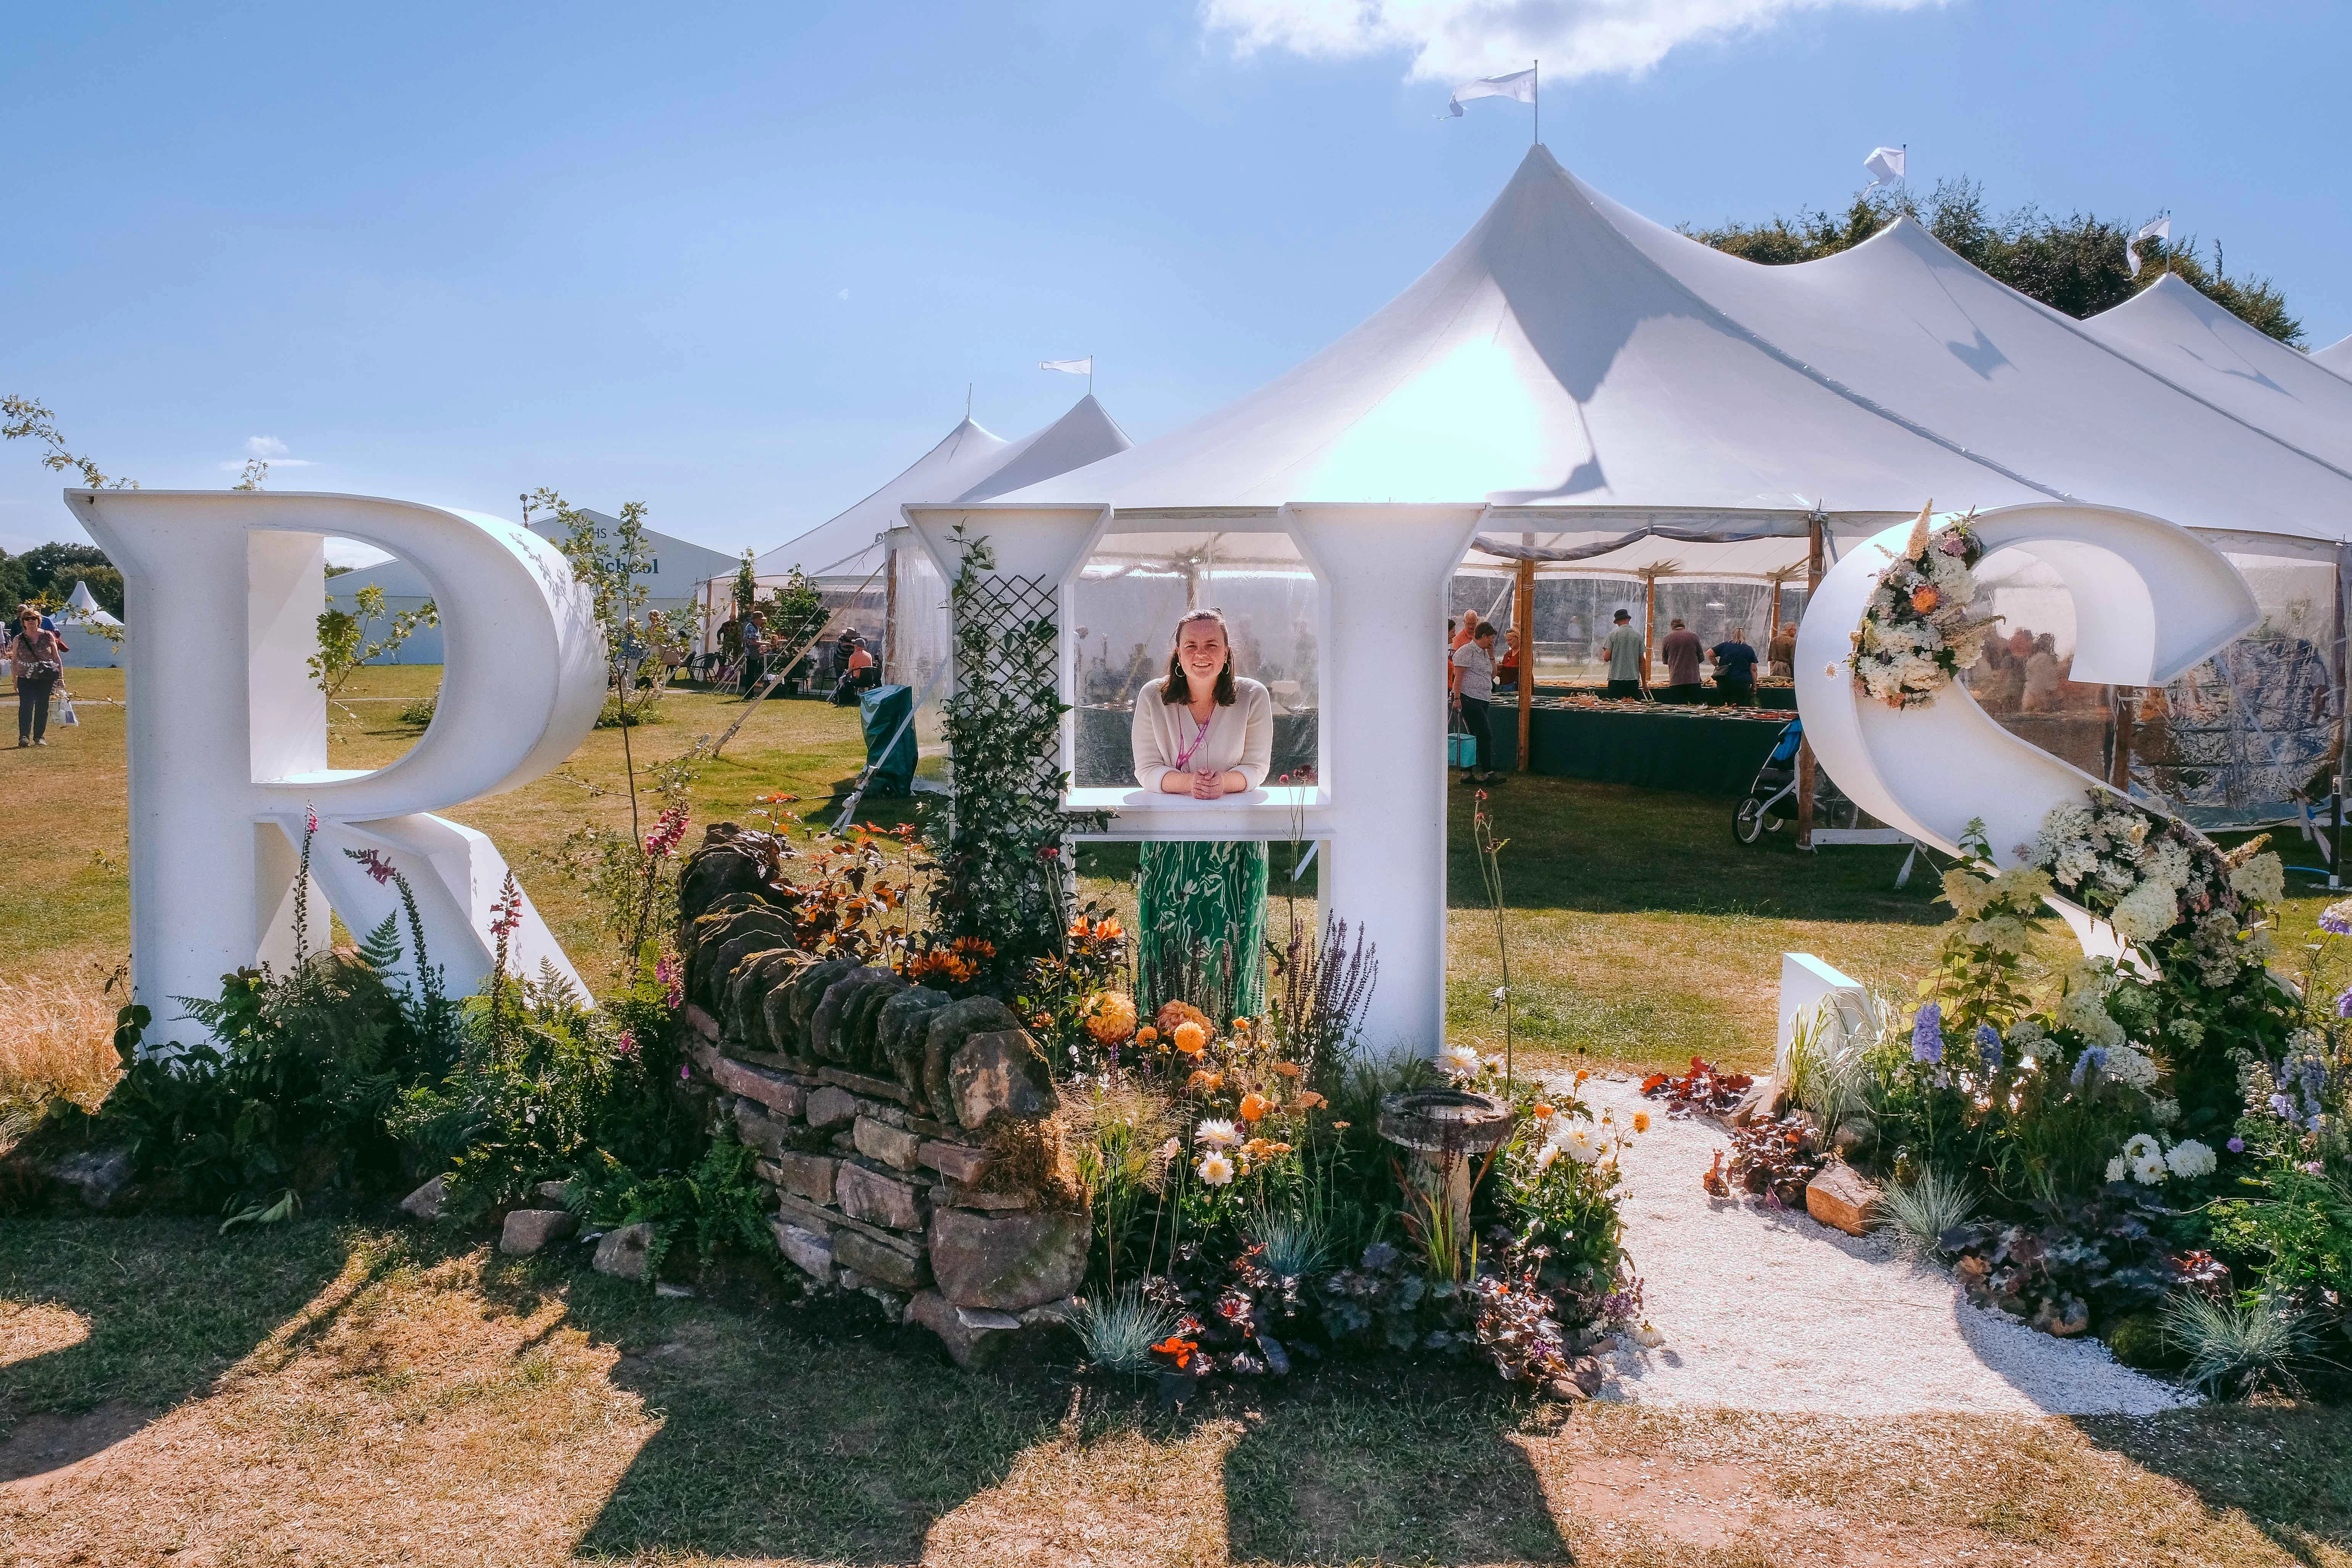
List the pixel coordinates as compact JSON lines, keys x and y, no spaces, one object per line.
{"x":1772,"y":798}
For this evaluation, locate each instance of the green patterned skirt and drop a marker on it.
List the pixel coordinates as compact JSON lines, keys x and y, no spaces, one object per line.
{"x":1204,"y":919}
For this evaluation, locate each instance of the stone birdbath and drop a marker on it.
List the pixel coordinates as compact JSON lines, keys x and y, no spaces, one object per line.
{"x":1448,"y":1130}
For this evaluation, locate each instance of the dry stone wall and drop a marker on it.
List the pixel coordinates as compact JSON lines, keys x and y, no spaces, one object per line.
{"x":910,"y":1137}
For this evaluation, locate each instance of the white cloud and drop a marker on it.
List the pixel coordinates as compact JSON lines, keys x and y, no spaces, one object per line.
{"x":843,"y":295}
{"x":1453,"y":41}
{"x":268,"y":447}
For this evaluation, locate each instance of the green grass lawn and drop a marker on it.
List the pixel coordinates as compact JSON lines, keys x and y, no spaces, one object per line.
{"x":342,"y":1392}
{"x":339,"y":1390}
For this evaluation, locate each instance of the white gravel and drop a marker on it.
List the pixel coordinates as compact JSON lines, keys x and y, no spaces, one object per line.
{"x":1763,"y":1308}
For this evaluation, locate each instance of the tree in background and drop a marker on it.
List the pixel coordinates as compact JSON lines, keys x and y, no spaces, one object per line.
{"x":46,"y":575}
{"x":2074,"y":264}
{"x":347,"y":641}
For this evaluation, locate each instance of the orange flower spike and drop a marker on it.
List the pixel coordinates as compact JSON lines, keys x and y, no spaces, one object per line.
{"x":1255,"y":1106}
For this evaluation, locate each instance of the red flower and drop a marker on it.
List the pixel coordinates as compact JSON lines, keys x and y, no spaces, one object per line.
{"x":1181,"y":1349}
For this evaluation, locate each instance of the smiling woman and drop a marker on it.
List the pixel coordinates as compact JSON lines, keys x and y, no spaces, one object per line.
{"x":1203,"y":731}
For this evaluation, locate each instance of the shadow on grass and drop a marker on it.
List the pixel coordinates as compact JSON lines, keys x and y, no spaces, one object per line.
{"x":171,"y":1307}
{"x":2285,"y":1469}
{"x":1353,"y":1468}
{"x":840,"y":1439}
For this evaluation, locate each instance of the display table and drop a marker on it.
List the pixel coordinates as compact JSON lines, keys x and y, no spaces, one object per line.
{"x":1655,"y":746}
{"x":1780,"y":698}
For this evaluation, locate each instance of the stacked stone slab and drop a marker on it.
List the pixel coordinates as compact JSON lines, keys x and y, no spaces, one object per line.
{"x":880,"y":1110}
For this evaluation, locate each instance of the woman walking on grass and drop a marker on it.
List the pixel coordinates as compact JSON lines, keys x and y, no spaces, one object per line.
{"x":36,"y":657}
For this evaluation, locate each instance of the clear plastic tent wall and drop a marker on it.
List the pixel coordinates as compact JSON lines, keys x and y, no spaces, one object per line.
{"x":1130,"y":595}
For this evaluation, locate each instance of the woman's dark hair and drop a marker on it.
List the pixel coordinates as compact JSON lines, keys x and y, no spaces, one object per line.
{"x":1179,"y":689}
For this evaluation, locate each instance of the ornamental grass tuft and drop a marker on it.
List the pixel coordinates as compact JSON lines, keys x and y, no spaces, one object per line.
{"x":1118,"y":1332}
{"x":1920,"y":1212}
{"x":2236,"y":1348}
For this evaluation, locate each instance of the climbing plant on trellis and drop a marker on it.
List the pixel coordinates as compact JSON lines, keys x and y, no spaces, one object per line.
{"x":1004,"y":877}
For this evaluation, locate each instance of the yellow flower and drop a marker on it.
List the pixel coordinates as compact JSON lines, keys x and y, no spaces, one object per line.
{"x":1641,"y":1121}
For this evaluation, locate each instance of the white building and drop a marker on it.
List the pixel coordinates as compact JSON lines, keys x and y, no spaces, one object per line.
{"x":669,"y":580}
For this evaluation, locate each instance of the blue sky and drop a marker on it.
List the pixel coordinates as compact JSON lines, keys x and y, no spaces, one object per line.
{"x":740,"y":262}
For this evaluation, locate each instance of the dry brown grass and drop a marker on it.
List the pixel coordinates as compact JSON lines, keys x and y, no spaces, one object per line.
{"x":57,"y":1042}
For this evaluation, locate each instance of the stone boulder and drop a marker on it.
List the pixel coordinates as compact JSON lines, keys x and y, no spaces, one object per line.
{"x":879,"y":1199}
{"x":1008,"y":1262}
{"x":898,"y":1032}
{"x":807,"y":994}
{"x":1002,"y":1070}
{"x":95,"y":1176}
{"x":857,"y":1033}
{"x":975,"y":1336}
{"x":1840,"y":1197}
{"x":624,"y":1253}
{"x":531,"y":1230}
{"x":807,"y":1250}
{"x":730,"y":859}
{"x":827,"y":1040}
{"x":427,"y":1202}
{"x":749,"y":988}
{"x":944,"y":1035}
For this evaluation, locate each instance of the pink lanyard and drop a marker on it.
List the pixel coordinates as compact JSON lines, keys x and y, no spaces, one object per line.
{"x":1184,"y":757}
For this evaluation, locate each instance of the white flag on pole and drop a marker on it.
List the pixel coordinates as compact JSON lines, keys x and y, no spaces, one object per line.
{"x":1519,"y":85}
{"x":1074,"y":366}
{"x":1884,"y":165}
{"x":2159,"y":228}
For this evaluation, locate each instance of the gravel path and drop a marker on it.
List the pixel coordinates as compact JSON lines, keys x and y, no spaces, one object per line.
{"x":1765,"y":1310}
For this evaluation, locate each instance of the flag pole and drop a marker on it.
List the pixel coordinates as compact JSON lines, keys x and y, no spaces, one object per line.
{"x":1535,"y":84}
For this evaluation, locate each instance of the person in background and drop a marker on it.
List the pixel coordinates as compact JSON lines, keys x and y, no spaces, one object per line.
{"x":1734,"y":669}
{"x":36,"y":658}
{"x":1681,"y":651}
{"x":2045,"y":676}
{"x":1626,"y":674}
{"x":1506,"y":674}
{"x":1782,"y":652}
{"x":1203,"y":733}
{"x":755,"y":652}
{"x":1473,"y":694}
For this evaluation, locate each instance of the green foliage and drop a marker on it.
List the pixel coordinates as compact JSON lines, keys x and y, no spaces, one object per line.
{"x":420,"y":711}
{"x":1922,"y":1210}
{"x":46,"y":574}
{"x":347,"y":641}
{"x":2074,"y":264}
{"x":292,"y":1091}
{"x":2299,"y":1233}
{"x":717,"y":1202}
{"x":1003,"y":876}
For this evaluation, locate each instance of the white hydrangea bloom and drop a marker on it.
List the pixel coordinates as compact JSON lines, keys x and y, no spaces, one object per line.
{"x":2189,"y":1159}
{"x":2169,"y":863}
{"x":2147,"y":912}
{"x":2262,"y":878}
{"x":2128,"y":1064}
{"x":2115,"y":1168}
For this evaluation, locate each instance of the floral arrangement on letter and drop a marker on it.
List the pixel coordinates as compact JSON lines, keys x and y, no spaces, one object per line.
{"x":2153,"y":878}
{"x":1917,"y":633}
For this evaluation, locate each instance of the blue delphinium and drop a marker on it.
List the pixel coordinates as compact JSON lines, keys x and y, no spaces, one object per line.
{"x":2344,"y":1004}
{"x":2091,"y":1058}
{"x":1989,"y":1047}
{"x":1928,"y":1034}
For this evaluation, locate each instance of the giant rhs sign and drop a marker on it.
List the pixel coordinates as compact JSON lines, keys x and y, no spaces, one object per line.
{"x":2150,"y":601}
{"x":228,"y":730}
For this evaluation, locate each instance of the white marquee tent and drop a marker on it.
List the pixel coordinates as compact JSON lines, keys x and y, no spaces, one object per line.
{"x":1619,"y":395}
{"x":2336,"y":356}
{"x":2174,"y":331}
{"x":969,"y":464}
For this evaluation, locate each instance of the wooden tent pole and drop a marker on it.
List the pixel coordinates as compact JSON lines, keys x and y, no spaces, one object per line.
{"x":1523,"y":617}
{"x":1805,"y":749}
{"x":2126,"y":705}
{"x":1649,"y":624}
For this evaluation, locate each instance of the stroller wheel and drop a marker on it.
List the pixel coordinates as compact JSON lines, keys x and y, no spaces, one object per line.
{"x":1748,"y":821}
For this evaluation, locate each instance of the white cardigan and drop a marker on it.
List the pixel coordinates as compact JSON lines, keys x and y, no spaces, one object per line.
{"x":1240,"y":738}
